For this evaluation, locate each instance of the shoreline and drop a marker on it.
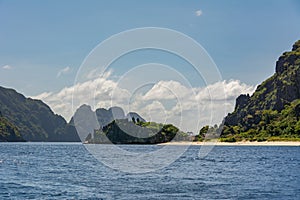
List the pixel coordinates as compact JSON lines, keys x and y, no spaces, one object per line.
{"x":186,"y":143}
{"x":245,"y":143}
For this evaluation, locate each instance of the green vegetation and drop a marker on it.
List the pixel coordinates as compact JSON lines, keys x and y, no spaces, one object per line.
{"x":267,"y":125}
{"x":122,"y":131}
{"x":272,"y":112}
{"x":207,"y":133}
{"x":34,"y":120}
{"x":9,"y":132}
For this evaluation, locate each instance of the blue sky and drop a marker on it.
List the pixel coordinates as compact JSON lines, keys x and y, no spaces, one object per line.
{"x":40,"y":38}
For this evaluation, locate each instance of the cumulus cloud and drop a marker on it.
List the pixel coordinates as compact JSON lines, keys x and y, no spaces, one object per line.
{"x":193,"y":106}
{"x":166,"y":101}
{"x":225,"y":90}
{"x":198,"y":13}
{"x":97,"y":93}
{"x":7,"y":67}
{"x":63,"y":71}
{"x":165,"y":90}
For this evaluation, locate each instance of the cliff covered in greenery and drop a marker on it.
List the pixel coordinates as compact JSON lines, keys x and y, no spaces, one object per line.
{"x":8,"y":131}
{"x":33,"y":119}
{"x":272,"y":112}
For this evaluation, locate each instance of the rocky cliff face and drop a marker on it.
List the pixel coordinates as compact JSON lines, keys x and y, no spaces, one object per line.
{"x":274,"y":94}
{"x":288,"y":59}
{"x":106,"y":116}
{"x":86,"y":120}
{"x":34,"y":119}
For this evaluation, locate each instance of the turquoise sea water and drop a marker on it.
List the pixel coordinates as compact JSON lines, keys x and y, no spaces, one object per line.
{"x":69,"y":171}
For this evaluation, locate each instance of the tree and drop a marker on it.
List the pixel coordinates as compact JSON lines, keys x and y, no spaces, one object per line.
{"x":133,"y":119}
{"x":203,"y":130}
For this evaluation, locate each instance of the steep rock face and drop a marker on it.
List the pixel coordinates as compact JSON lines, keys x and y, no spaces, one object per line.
{"x":106,"y":116}
{"x":289,"y":59}
{"x":239,"y":112}
{"x":273,"y":94}
{"x":86,"y":120}
{"x":117,"y":112}
{"x":34,"y":119}
{"x":296,"y":46}
{"x":242,"y":101}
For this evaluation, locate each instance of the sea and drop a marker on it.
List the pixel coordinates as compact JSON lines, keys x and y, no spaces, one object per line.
{"x":70,"y":171}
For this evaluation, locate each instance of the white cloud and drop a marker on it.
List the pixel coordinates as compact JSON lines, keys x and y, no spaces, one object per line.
{"x":97,"y":92}
{"x":165,"y":90}
{"x":7,"y":67}
{"x":43,"y":95}
{"x":63,"y":71}
{"x":167,"y":101}
{"x":198,"y":13}
{"x":195,"y":106}
{"x":225,"y":90}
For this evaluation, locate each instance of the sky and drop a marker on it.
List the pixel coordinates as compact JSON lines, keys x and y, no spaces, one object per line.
{"x":44,"y":43}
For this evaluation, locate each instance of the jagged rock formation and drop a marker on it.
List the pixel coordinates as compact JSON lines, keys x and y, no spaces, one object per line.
{"x":86,"y":120}
{"x":112,"y":126}
{"x":134,"y":116}
{"x":106,"y":116}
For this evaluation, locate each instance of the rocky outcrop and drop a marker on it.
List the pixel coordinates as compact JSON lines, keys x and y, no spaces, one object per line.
{"x":133,"y":116}
{"x":105,"y":116}
{"x":289,"y":59}
{"x":274,"y":94}
{"x":87,"y":121}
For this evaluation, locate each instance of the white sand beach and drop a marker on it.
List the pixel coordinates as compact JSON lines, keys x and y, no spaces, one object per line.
{"x":245,"y":143}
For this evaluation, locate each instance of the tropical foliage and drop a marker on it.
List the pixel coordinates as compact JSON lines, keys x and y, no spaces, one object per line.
{"x":272,"y":112}
{"x":34,"y":120}
{"x":8,"y":132}
{"x":123,"y":131}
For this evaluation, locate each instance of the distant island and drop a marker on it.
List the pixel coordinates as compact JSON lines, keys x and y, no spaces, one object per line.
{"x":271,"y":113}
{"x":25,"y":119}
{"x":136,"y":132}
{"x":104,"y":126}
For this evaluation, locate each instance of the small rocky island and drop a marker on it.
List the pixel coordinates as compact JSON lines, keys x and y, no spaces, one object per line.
{"x":123,"y":131}
{"x":113,"y":126}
